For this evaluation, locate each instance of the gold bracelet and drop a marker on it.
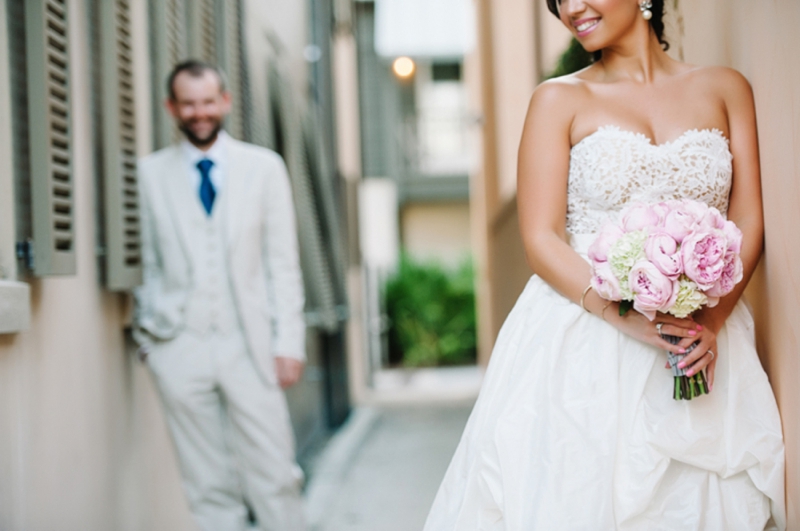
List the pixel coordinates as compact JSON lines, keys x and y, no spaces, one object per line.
{"x":583,"y":297}
{"x":603,"y":313}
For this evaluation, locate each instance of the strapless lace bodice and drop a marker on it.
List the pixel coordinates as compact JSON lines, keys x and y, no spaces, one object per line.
{"x":612,"y":167}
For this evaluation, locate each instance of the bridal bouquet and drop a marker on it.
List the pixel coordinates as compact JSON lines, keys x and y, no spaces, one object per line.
{"x":673,"y":257}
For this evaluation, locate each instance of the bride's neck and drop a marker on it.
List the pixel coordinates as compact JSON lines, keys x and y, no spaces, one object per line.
{"x":638,"y":57}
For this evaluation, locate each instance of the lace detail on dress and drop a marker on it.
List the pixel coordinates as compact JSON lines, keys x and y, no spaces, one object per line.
{"x":613,"y":167}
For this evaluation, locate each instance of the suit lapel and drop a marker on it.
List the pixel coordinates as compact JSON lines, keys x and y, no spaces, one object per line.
{"x":237,"y":180}
{"x":182,"y":199}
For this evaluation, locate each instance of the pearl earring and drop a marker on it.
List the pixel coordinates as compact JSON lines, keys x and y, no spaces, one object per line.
{"x":646,"y":6}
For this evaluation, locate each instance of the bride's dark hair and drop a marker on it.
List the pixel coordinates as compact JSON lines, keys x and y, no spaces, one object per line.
{"x":657,"y":22}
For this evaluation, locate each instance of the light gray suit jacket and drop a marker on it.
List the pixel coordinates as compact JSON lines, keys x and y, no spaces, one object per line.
{"x":261,"y":238}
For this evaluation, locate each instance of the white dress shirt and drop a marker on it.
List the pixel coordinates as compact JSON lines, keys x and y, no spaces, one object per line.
{"x":217,"y":154}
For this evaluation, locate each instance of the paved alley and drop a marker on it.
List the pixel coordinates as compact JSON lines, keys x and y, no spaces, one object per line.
{"x":381,"y":472}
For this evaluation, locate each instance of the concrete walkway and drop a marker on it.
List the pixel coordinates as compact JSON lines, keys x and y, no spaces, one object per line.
{"x":382,"y":470}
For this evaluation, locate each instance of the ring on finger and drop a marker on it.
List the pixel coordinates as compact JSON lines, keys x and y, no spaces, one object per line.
{"x":658,"y":328}
{"x":709,"y":351}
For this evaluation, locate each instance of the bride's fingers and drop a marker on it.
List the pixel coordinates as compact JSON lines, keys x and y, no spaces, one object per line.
{"x":710,"y":371}
{"x":700,"y":364}
{"x":704,"y":343}
{"x":704,"y":357}
{"x":678,"y":331}
{"x":686,"y":322}
{"x":666,"y":345}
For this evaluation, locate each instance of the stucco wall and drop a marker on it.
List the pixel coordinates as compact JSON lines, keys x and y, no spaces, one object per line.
{"x":761,"y":40}
{"x":436,"y":231}
{"x":519,"y":42}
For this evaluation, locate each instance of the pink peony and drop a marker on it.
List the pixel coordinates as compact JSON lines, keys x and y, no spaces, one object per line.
{"x":640,"y":216}
{"x":678,"y":223}
{"x":606,"y":238}
{"x":719,"y":219}
{"x":605,"y":283}
{"x":732,"y":274}
{"x":734,"y":236}
{"x":652,"y":290}
{"x":698,"y":211}
{"x":703,"y":254}
{"x":662,"y":250}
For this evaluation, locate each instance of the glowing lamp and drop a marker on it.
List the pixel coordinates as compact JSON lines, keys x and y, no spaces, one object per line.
{"x":404,"y":67}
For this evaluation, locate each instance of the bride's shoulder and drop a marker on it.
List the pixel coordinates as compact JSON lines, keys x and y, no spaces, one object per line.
{"x":564,"y":93}
{"x":723,"y":81}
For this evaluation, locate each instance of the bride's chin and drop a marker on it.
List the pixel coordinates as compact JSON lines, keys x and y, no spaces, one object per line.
{"x":591,"y":43}
{"x":590,"y":47}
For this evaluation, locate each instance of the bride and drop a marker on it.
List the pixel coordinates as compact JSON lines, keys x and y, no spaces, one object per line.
{"x":575,"y":427}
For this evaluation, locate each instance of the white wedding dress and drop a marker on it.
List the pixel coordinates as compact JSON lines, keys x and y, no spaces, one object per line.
{"x":575,"y":427}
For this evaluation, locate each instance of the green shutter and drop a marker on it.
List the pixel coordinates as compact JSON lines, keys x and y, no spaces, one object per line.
{"x":202,"y":18}
{"x":168,"y":46}
{"x":231,"y":60}
{"x":49,"y":111}
{"x":117,"y":139}
{"x":318,"y":273}
{"x":323,"y":176}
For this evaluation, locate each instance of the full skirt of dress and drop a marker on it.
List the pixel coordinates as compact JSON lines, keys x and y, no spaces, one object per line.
{"x":575,"y":429}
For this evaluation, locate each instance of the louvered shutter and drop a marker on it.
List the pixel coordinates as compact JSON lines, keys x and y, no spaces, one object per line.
{"x":231,"y":57}
{"x":323,"y":177}
{"x":122,"y":241}
{"x":317,"y":270}
{"x":168,"y":46}
{"x":202,"y":17}
{"x":50,"y":137}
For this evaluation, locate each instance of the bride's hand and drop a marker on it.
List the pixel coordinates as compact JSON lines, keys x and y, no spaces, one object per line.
{"x":706,"y":353}
{"x":640,"y":327}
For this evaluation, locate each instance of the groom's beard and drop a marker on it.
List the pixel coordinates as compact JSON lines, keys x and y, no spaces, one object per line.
{"x":199,"y":141}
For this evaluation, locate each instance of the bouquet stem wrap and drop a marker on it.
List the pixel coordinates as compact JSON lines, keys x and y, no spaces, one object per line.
{"x":686,"y":387}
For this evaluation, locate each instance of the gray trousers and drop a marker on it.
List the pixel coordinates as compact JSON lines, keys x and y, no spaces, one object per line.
{"x":232,"y":434}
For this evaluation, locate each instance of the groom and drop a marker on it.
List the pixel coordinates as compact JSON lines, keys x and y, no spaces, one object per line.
{"x":220,"y":313}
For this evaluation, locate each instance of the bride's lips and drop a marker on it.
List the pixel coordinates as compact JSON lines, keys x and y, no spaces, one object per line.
{"x":585,"y":26}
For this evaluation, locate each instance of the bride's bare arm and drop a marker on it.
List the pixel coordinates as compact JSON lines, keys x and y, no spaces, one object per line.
{"x":543,"y":170}
{"x":745,"y":202}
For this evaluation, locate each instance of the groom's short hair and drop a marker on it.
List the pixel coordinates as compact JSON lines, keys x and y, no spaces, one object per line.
{"x":194,"y":68}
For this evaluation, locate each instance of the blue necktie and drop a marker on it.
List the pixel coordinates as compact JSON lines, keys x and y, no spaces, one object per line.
{"x":207,"y":192}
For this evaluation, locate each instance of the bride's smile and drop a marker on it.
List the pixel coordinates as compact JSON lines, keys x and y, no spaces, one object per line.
{"x":584,"y":27}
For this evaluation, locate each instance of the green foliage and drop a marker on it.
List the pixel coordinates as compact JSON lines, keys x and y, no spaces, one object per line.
{"x":573,"y":59}
{"x":432,"y":314}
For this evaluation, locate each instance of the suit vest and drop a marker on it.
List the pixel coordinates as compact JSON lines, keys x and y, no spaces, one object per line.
{"x":211,"y":304}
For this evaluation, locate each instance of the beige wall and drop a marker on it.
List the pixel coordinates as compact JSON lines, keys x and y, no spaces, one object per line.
{"x":501,"y":76}
{"x":437,"y":231}
{"x":761,"y":40}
